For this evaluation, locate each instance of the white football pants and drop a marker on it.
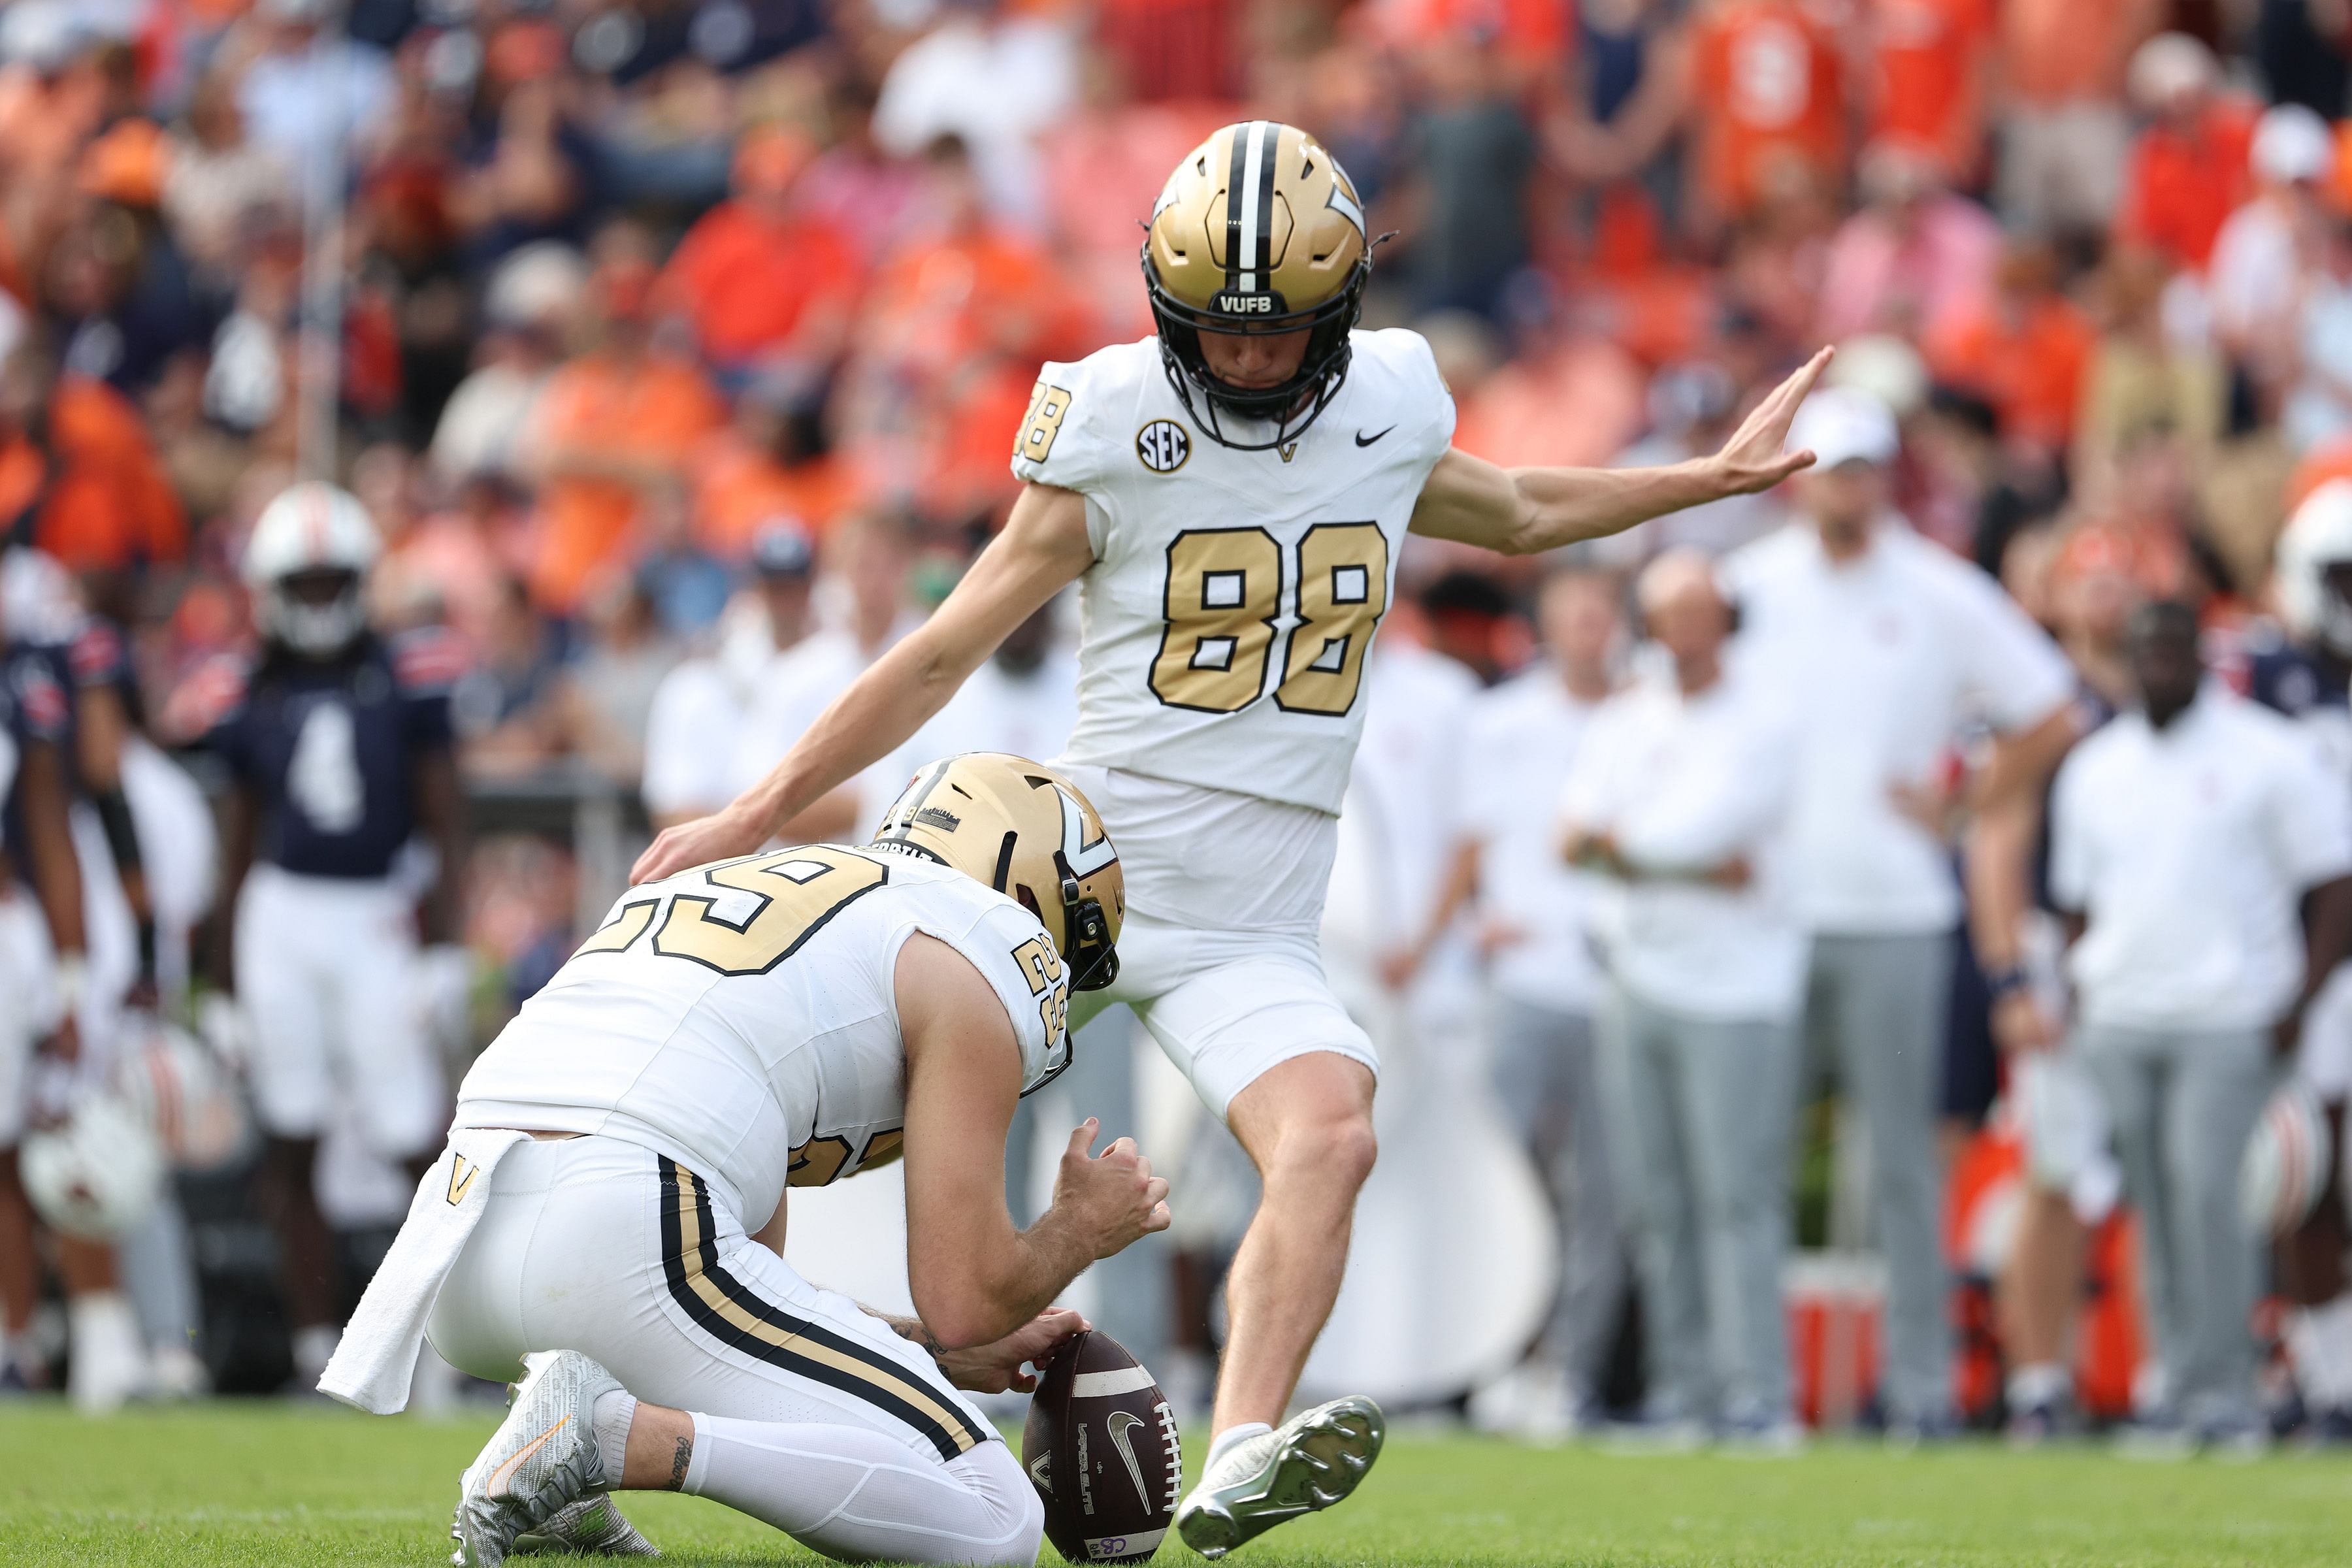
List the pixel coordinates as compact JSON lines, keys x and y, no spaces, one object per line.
{"x":809,"y":1414}
{"x":325,"y":971}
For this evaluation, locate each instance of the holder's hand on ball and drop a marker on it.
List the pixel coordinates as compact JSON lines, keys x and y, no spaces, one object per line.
{"x":995,"y":1367}
{"x":1111,"y":1199}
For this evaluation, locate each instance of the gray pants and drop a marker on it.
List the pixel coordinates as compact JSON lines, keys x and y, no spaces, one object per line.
{"x":2183,"y":1106}
{"x":1547,"y":1083}
{"x":1133,"y":1302}
{"x":1704,"y":1110}
{"x":1877,"y":1006}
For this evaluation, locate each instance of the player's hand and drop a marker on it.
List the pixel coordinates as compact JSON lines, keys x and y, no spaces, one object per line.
{"x":2021,"y":1024}
{"x":1752,"y":460}
{"x":995,"y":1367}
{"x":1734,"y":875}
{"x":1112,"y":1198}
{"x":721,"y":836}
{"x":1399,"y":966}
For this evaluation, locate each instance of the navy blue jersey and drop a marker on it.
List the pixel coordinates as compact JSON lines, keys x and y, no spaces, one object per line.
{"x":33,"y":709}
{"x":330,"y":751}
{"x":2284,"y":678}
{"x":97,"y":655}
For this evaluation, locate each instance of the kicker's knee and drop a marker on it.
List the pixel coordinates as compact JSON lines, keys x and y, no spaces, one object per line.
{"x":1338,"y":1150}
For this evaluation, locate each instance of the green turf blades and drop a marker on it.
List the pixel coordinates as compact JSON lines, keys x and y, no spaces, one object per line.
{"x":255,"y":1485}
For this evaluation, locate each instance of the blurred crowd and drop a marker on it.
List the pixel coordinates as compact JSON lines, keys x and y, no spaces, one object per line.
{"x":674,"y":349}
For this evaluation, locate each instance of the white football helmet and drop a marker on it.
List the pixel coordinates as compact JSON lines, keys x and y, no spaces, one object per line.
{"x":2317,"y":541}
{"x":321,"y":534}
{"x":99,"y":1173}
{"x":2287,"y":1164}
{"x":185,"y":1090}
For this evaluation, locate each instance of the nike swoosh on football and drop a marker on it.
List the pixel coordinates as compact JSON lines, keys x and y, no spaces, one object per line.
{"x":500,"y":1476}
{"x":1121,"y":1423}
{"x":1364,"y":441}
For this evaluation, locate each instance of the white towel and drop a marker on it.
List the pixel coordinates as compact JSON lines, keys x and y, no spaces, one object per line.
{"x":372,"y":1367}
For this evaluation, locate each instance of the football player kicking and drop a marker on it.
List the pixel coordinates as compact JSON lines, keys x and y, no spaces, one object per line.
{"x":1231,"y":498}
{"x":783,"y":1021}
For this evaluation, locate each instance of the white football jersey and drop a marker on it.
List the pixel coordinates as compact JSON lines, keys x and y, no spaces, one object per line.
{"x":1224,"y":624}
{"x":742,"y":1017}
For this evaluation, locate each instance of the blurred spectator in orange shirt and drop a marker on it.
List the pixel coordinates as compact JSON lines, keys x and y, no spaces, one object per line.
{"x":965,"y":283}
{"x":964,"y":289}
{"x":74,"y":453}
{"x":1932,"y":76}
{"x":611,"y":426}
{"x":765,"y":285}
{"x":1569,"y":396}
{"x":53,"y":93}
{"x":2023,"y":349}
{"x":1768,"y":105}
{"x":2187,"y":171}
{"x":1915,"y":258}
{"x":768,"y":462}
{"x":2064,"y":132}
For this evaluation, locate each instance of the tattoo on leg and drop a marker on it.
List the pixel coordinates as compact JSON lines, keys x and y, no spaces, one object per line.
{"x":679,"y":1462}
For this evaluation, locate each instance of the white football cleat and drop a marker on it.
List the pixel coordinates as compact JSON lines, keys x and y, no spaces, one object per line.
{"x":542,"y":1457}
{"x":1309,"y":1462}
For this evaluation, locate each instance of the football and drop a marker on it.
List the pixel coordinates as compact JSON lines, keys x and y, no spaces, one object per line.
{"x":1101,"y":1447}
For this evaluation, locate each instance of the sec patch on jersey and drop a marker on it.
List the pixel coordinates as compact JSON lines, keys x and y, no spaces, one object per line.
{"x":1101,"y":1447}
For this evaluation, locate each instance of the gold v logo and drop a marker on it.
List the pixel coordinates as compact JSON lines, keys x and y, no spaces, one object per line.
{"x":461,"y":1178}
{"x":1290,"y":451}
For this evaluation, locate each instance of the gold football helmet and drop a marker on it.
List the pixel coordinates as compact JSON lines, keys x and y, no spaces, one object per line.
{"x":1026,"y":831}
{"x":1258,"y":230}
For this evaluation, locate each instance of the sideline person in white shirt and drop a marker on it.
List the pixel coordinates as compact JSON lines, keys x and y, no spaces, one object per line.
{"x":1518,"y":746}
{"x":865,"y":563}
{"x":1887,"y":642}
{"x":2188,"y":834}
{"x":1678,"y":799}
{"x":699,"y":709}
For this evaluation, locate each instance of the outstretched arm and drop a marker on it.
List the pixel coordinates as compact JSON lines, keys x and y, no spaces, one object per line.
{"x":1521,"y":511}
{"x":1043,"y":549}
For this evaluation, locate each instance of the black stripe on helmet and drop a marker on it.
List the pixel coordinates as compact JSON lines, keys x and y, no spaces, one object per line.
{"x":1264,"y":262}
{"x":1236,"y":172}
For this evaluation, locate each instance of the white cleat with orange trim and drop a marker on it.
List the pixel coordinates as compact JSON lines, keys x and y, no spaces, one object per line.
{"x":542,"y":1457}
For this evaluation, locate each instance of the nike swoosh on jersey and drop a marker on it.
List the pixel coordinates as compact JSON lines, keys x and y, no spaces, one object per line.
{"x":1364,"y":441}
{"x":1121,"y":1423}
{"x":500,"y":1476}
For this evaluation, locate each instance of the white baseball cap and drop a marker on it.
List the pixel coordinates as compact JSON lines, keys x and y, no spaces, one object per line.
{"x":2292,"y":143}
{"x":1845,"y":424}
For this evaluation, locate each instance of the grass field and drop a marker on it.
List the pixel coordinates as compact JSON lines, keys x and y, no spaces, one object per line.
{"x":257,"y":1484}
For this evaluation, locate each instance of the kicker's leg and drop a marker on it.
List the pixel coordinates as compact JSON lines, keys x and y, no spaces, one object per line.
{"x":1307,"y":1123}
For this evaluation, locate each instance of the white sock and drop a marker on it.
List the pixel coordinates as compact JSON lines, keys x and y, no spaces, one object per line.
{"x":2319,"y":1342}
{"x":2038,"y":1383}
{"x":614,"y":1413}
{"x":1231,"y":1436}
{"x":866,"y":1496}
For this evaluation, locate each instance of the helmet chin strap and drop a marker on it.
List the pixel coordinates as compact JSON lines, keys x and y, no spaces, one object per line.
{"x":1093,"y":961}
